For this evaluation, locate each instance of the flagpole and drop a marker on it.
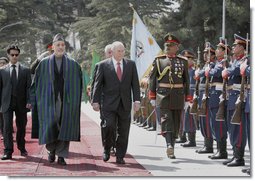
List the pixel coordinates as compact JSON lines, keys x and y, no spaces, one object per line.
{"x":223,"y":18}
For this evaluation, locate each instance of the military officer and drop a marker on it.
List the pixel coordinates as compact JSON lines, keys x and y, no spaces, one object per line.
{"x":219,"y":127}
{"x":169,"y":86}
{"x":189,"y":122}
{"x":209,"y":58}
{"x":237,"y":132}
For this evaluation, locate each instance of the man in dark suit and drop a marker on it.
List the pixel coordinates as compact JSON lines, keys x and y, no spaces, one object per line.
{"x":116,"y":78}
{"x":15,"y":80}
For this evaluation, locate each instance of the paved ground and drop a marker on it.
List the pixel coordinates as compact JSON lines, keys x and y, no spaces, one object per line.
{"x":146,"y":157}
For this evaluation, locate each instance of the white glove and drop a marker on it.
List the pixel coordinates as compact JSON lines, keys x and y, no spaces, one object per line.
{"x":186,"y":105}
{"x":153,"y":103}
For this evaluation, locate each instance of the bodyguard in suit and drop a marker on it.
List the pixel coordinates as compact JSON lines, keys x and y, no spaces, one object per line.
{"x":169,"y":87}
{"x":116,"y":78}
{"x":15,"y":80}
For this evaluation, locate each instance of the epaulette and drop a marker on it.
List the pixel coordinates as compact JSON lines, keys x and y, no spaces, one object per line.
{"x":182,"y":57}
{"x":161,"y":56}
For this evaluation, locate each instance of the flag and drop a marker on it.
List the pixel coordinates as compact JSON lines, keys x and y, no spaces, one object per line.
{"x":95,"y":59}
{"x":144,"y":48}
{"x":86,"y":80}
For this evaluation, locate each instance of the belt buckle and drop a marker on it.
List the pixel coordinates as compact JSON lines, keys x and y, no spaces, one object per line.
{"x":171,"y":86}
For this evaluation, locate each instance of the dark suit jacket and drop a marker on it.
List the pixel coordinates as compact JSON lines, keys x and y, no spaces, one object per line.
{"x":114,"y":91}
{"x":23,"y":86}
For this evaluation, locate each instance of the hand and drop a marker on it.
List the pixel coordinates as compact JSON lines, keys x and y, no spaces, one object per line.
{"x":207,"y":70}
{"x":153,"y":103}
{"x":28,"y":106}
{"x":243,"y":67}
{"x":136,"y":106}
{"x":224,"y":74}
{"x":96,"y":106}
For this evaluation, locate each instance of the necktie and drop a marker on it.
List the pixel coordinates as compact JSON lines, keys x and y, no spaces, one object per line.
{"x":14,"y":80}
{"x":119,"y":73}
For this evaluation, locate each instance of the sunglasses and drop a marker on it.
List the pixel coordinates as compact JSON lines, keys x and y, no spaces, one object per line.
{"x":14,"y":55}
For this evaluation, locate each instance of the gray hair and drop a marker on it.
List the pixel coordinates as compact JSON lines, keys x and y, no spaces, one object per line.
{"x":108,"y":47}
{"x":116,"y":44}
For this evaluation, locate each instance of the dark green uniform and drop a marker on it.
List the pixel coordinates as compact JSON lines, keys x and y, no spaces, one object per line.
{"x":169,"y":81}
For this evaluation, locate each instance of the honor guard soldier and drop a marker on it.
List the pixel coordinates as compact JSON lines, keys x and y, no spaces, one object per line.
{"x":169,"y":86}
{"x":245,"y":70}
{"x":237,"y":130}
{"x":209,"y":57}
{"x":219,"y":127}
{"x":189,"y":121}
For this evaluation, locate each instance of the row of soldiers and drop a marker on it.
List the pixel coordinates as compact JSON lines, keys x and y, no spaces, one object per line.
{"x":211,"y":95}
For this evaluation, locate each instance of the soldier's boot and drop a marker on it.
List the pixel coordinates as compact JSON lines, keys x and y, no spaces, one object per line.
{"x":222,"y":150}
{"x":238,"y":158}
{"x":170,"y":145}
{"x":192,"y":140}
{"x":182,"y":138}
{"x":208,"y":146}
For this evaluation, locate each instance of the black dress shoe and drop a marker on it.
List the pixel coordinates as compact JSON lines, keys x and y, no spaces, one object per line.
{"x":228,"y":161}
{"x":61,"y":161}
{"x":236,"y":162}
{"x":6,"y":157}
{"x":51,"y":157}
{"x":23,"y":153}
{"x":106,"y":156}
{"x":189,"y":144}
{"x":120,"y":160}
{"x":205,"y":150}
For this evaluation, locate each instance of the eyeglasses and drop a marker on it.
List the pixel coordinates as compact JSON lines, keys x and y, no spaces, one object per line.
{"x":14,"y":55}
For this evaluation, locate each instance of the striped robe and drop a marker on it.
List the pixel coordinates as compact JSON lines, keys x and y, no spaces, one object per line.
{"x":43,"y":102}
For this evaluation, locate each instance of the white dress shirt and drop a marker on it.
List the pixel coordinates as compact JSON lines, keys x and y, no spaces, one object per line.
{"x":16,"y":68}
{"x":115,"y":64}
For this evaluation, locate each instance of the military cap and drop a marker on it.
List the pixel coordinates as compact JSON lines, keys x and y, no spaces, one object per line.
{"x":5,"y":59}
{"x":208,"y":46}
{"x":239,"y":40}
{"x":188,"y":54}
{"x":222,"y":44}
{"x":169,"y":38}
{"x":58,"y":37}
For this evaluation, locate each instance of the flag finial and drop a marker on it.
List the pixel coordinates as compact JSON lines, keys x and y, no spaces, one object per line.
{"x":131,"y":6}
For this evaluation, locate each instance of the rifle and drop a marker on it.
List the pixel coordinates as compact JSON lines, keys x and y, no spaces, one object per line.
{"x":220,"y":115}
{"x":202,"y":110}
{"x":239,"y":105}
{"x":194,"y":106}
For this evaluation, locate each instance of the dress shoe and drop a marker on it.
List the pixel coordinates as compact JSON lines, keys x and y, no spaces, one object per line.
{"x":120,"y":160}
{"x":228,"y":161}
{"x":181,"y":141}
{"x":204,"y":150}
{"x":51,"y":157}
{"x":189,"y":144}
{"x":61,"y":161}
{"x":106,"y":156}
{"x":6,"y":157}
{"x":236,"y":162}
{"x":245,"y":170}
{"x":23,"y":153}
{"x":151,"y":129}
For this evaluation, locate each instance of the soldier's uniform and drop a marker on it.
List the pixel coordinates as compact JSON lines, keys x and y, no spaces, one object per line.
{"x":204,"y":122}
{"x":237,"y":132}
{"x":189,"y":121}
{"x":218,"y":127}
{"x":169,"y":85}
{"x":247,"y":106}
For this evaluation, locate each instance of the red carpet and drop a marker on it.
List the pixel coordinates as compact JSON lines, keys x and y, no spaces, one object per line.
{"x":85,"y":158}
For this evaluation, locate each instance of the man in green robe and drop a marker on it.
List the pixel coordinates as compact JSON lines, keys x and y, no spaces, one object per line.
{"x":56,"y":93}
